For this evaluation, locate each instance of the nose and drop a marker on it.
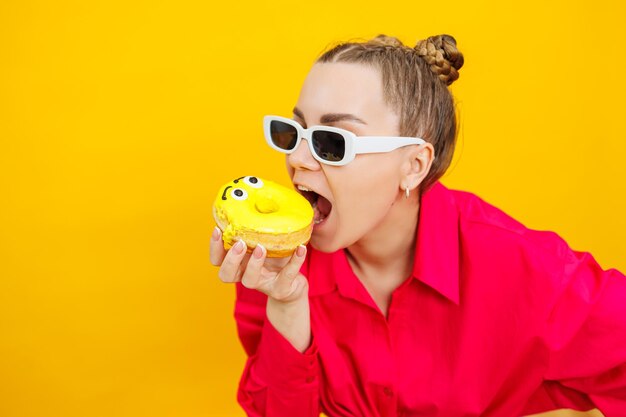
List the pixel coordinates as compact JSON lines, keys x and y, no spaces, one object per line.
{"x":265,"y":203}
{"x":302,"y":158}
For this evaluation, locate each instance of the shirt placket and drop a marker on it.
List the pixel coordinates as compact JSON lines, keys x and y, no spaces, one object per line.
{"x":394,"y":323}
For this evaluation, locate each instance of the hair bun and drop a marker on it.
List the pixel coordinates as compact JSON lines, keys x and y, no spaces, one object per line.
{"x":384,"y":40}
{"x":441,"y":53}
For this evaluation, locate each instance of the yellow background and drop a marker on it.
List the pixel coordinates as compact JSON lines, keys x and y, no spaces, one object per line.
{"x":119,"y":120}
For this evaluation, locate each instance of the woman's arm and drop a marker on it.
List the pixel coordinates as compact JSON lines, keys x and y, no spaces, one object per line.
{"x":278,"y":379}
{"x":586,"y":333}
{"x":272,"y":313}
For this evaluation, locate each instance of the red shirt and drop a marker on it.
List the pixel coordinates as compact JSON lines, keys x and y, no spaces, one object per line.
{"x":495,"y":320}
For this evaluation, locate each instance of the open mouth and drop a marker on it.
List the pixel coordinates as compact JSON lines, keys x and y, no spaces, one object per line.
{"x":321,"y":206}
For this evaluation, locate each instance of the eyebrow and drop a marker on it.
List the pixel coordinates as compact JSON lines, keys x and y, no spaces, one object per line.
{"x":224,"y":193}
{"x":331,"y":117}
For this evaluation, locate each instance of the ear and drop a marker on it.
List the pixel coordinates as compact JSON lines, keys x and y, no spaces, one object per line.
{"x":416,"y":165}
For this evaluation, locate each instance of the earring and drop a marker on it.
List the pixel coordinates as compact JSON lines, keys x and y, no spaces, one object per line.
{"x":406,"y":192}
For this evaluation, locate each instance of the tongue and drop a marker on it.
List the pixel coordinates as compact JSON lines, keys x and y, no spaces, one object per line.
{"x":324,"y":206}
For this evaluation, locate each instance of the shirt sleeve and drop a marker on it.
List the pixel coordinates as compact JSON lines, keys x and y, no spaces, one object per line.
{"x":277,"y":380}
{"x":586,"y":333}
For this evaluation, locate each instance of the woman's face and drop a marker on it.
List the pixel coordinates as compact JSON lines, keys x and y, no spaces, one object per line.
{"x":361,"y":193}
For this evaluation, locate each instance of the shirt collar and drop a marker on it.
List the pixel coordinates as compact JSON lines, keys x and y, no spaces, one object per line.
{"x":437,"y":248}
{"x":436,"y":261}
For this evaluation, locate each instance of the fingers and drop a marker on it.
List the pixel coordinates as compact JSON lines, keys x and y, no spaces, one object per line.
{"x":217,"y":251}
{"x":285,"y":285}
{"x":252,"y":276}
{"x":232,"y":269}
{"x":235,"y":265}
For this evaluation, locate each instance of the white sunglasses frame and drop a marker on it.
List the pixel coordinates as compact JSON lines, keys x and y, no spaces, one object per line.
{"x":364,"y":144}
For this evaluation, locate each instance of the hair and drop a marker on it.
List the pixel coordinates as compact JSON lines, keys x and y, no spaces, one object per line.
{"x":415,"y":82}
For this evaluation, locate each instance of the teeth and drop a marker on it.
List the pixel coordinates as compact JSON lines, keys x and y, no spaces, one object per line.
{"x":313,"y":204}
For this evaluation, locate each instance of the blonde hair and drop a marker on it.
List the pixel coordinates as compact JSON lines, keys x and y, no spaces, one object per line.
{"x":415,"y":84}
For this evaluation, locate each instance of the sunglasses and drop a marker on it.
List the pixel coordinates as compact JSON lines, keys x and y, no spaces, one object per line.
{"x":329,"y":145}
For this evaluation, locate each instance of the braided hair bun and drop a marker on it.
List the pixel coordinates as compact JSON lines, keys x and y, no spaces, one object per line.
{"x":441,"y":54}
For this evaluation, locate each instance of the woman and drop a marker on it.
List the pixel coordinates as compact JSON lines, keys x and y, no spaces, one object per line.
{"x":411,"y":298}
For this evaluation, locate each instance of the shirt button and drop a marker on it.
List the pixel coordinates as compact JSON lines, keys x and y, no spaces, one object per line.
{"x":309,"y":379}
{"x":388,"y":391}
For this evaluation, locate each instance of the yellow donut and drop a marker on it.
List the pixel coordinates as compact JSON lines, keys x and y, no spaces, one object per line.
{"x":260,"y":211}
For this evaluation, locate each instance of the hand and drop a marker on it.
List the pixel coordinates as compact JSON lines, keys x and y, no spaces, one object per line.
{"x":278,"y":278}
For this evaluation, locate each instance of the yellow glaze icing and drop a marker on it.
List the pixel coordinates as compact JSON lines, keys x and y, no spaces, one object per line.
{"x":267,"y":208}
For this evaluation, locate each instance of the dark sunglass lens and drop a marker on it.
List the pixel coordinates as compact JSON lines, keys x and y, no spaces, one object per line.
{"x":330,"y":146}
{"x":283,"y":135}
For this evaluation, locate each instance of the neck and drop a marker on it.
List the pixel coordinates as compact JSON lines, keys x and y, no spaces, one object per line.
{"x":386,"y":252}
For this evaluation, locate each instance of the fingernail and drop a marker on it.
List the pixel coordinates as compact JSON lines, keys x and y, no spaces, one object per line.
{"x":216,"y":233}
{"x":301,"y":251}
{"x":239,"y":247}
{"x":258,"y":251}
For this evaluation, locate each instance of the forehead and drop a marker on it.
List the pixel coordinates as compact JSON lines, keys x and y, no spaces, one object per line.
{"x":342,"y":88}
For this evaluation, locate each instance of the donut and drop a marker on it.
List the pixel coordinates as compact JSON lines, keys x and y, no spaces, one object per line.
{"x":263,"y":212}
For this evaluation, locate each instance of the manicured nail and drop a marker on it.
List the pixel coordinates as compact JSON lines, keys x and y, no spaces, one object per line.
{"x":239,"y":247}
{"x":216,"y":233}
{"x":301,"y":251}
{"x":258,"y":251}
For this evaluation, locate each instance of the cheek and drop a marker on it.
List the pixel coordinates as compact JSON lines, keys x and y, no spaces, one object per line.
{"x":368,"y":190}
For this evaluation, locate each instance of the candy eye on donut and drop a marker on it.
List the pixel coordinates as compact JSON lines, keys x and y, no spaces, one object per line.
{"x":253,"y":182}
{"x":239,"y":194}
